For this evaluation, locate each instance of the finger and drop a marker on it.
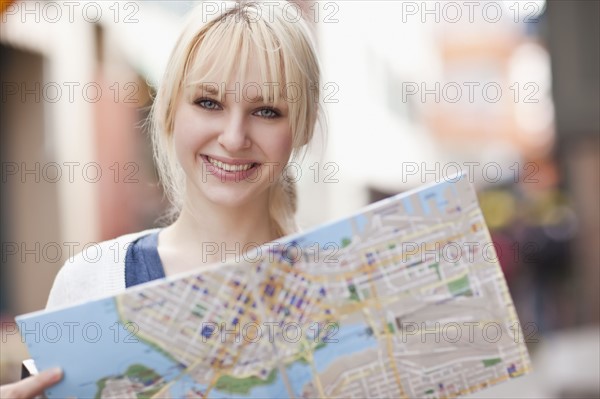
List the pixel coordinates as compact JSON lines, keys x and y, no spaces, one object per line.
{"x":35,"y":385}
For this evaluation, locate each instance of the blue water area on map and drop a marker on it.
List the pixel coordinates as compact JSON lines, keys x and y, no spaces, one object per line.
{"x":333,"y":233}
{"x":351,"y":339}
{"x":182,"y":387}
{"x":89,"y":344}
{"x":436,"y":193}
{"x":408,"y":206}
{"x":95,"y":346}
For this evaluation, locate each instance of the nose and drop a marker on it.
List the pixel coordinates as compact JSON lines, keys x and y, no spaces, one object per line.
{"x":235,"y":136}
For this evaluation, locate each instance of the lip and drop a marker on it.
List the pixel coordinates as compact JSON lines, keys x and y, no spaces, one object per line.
{"x":237,"y":161}
{"x":226,"y":176}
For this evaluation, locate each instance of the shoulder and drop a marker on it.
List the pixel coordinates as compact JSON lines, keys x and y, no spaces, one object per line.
{"x":97,"y":271}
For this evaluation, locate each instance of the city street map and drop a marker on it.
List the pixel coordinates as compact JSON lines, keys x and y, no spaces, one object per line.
{"x":404,"y":299}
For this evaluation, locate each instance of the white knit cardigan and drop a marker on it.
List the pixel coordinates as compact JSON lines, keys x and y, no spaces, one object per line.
{"x":96,"y":272}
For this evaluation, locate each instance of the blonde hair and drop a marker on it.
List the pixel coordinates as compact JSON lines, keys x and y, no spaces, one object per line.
{"x":286,"y":54}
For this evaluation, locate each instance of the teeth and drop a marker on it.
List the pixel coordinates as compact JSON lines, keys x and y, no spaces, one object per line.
{"x":229,"y":168}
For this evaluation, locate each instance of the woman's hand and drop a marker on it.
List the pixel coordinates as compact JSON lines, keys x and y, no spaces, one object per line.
{"x":32,"y":386}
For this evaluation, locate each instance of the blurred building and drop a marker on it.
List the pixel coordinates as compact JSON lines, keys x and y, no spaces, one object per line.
{"x":76,"y":162}
{"x":572,"y":35}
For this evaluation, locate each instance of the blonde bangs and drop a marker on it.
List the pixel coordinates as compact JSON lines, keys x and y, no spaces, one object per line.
{"x":213,"y":61}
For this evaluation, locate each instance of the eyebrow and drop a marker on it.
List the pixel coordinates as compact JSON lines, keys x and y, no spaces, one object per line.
{"x":211,"y":89}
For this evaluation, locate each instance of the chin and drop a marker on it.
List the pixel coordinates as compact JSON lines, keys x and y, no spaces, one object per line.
{"x":232,"y":197}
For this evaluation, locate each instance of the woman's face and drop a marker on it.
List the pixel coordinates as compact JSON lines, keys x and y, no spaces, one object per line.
{"x":230,"y":142}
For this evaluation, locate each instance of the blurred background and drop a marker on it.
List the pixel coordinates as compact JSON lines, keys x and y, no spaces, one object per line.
{"x":414,"y":91}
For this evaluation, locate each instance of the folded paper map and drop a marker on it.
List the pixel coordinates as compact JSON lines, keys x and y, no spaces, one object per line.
{"x":404,"y":299}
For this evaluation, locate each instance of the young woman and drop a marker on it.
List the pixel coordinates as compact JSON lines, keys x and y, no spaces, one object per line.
{"x":238,"y":101}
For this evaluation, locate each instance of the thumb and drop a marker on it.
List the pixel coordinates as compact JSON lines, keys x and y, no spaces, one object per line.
{"x":35,"y":384}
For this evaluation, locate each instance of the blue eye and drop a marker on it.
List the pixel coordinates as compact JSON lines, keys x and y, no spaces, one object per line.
{"x":268,"y":113}
{"x":207,"y":103}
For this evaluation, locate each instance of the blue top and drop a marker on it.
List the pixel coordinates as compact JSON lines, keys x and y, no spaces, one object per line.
{"x":142,"y":262}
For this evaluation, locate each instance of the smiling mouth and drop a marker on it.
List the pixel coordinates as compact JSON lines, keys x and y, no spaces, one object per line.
{"x":230,"y":168}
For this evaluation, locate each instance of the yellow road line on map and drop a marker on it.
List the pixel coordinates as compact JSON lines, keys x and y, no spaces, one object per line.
{"x":484,"y":384}
{"x":388,"y":339}
{"x":307,"y":354}
{"x":347,"y":380}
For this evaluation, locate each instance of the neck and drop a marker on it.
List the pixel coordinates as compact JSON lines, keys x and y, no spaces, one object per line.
{"x":214,"y":233}
{"x":214,"y":223}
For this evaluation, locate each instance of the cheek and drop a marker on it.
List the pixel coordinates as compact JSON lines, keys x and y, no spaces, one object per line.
{"x":181,"y":141}
{"x":280,"y":146}
{"x":188,"y":133}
